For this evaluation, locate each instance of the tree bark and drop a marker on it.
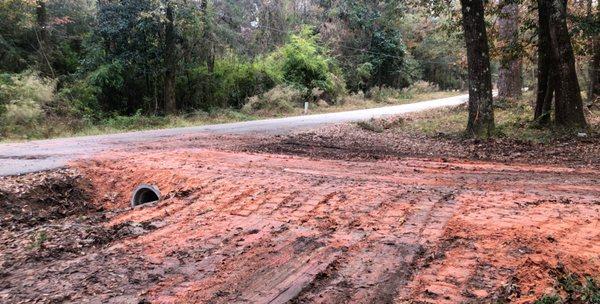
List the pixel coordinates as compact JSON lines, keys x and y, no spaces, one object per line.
{"x":509,"y":73}
{"x":42,"y":20}
{"x":42,"y":37}
{"x":545,"y":84}
{"x":481,"y":111}
{"x":170,"y":62}
{"x":594,"y":86}
{"x":208,"y":49}
{"x":568,"y":109}
{"x":594,"y":68}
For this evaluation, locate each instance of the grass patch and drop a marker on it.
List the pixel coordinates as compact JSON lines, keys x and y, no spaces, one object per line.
{"x":55,"y":127}
{"x":38,"y":240}
{"x":513,"y":121}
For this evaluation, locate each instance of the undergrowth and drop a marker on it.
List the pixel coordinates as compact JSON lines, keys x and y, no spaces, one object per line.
{"x":51,"y":125}
{"x":513,"y":121}
{"x":572,"y":288}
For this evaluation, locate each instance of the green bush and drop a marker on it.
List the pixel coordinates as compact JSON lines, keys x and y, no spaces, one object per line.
{"x":233,"y":80}
{"x":5,"y":80}
{"x":134,"y":122}
{"x":24,"y":98}
{"x":306,"y":65}
{"x":422,"y":86}
{"x":239,"y":79}
{"x":301,"y":63}
{"x":280,"y":99}
{"x":385,"y":94}
{"x":109,"y":75}
{"x":81,"y":99}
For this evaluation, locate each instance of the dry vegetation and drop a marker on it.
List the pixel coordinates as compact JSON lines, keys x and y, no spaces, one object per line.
{"x":514,"y":121}
{"x":37,"y":114}
{"x":440,"y":133}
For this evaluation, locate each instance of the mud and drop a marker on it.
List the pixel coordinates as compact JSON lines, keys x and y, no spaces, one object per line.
{"x":253,"y":227}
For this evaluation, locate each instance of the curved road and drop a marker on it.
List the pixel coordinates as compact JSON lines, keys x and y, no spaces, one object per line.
{"x":33,"y":156}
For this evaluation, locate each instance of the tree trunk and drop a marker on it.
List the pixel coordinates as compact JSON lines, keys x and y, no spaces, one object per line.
{"x":545,"y":84}
{"x":481,"y":111}
{"x":509,"y":73}
{"x":594,"y":68}
{"x":594,"y":86}
{"x":170,"y":62}
{"x":42,"y":20}
{"x":209,"y":51}
{"x":568,"y":103}
{"x":42,"y":37}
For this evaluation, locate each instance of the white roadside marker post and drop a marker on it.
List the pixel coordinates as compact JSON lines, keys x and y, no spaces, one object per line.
{"x":306,"y":107}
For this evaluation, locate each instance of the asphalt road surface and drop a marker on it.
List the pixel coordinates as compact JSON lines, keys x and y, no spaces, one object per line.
{"x":34,"y":156}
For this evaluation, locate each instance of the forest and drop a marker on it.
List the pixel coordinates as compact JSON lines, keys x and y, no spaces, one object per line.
{"x":68,"y":65}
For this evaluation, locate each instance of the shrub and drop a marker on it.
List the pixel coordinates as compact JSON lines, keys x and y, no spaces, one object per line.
{"x":5,"y":80}
{"x":338,"y":90}
{"x":300,"y":63}
{"x":233,"y":80}
{"x":238,"y":79}
{"x":108,"y":76}
{"x":24,"y":97}
{"x":280,"y":99}
{"x":421,"y":86}
{"x":307,"y":65}
{"x":354,"y":99}
{"x":386,"y":94}
{"x":81,"y":100}
{"x":134,"y":122}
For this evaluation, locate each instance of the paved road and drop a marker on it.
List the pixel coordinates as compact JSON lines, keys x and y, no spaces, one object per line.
{"x":33,"y":156}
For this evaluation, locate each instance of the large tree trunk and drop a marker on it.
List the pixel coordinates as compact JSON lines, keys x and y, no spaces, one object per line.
{"x":170,"y":62}
{"x":509,"y":73}
{"x":481,"y":111}
{"x":545,"y":84}
{"x":568,"y":107}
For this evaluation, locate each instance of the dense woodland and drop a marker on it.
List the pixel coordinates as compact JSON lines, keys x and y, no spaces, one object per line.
{"x":82,"y":61}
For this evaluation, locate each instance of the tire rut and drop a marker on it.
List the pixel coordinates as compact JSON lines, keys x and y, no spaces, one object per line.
{"x":376,"y":272}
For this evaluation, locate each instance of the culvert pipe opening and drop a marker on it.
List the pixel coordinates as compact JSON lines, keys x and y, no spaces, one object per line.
{"x":144,"y":194}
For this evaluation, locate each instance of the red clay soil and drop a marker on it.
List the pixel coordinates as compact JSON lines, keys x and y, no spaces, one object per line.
{"x":240,"y":227}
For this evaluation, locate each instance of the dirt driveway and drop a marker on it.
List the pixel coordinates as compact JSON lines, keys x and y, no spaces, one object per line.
{"x":243,"y":227}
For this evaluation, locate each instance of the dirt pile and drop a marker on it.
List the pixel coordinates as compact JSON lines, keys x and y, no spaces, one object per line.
{"x":54,"y":239}
{"x":35,"y":198}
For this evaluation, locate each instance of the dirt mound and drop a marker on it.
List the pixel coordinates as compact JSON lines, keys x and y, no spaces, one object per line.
{"x":58,"y":241}
{"x":34,"y":198}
